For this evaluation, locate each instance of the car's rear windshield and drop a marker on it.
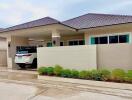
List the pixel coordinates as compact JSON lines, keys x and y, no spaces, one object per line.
{"x":24,"y":49}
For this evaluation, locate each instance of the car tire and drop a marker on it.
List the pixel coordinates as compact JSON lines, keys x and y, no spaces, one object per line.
{"x":22,"y":66}
{"x":34,"y":64}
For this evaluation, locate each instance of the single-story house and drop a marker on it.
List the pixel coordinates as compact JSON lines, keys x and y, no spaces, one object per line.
{"x":86,"y":42}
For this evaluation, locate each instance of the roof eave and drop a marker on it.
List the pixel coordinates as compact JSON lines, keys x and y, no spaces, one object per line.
{"x":40,"y":26}
{"x":83,"y":29}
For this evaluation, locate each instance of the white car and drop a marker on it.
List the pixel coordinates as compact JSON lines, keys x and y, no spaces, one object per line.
{"x":26,"y":55}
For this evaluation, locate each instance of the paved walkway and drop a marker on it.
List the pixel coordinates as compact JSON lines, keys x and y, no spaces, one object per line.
{"x":25,"y":86}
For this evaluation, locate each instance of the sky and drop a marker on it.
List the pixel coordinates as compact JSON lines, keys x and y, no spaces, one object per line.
{"x":13,"y":12}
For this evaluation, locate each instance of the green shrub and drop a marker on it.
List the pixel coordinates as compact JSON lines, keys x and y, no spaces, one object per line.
{"x":57,"y":70}
{"x":118,"y":75}
{"x":42,"y":70}
{"x":83,"y":74}
{"x":105,"y":74}
{"x":74,"y":73}
{"x":128,"y":77}
{"x":129,"y":73}
{"x":96,"y":75}
{"x":66,"y":73}
{"x":50,"y":71}
{"x":89,"y":75}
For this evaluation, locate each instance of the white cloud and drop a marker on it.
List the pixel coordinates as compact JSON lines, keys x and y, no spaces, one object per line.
{"x":113,"y":6}
{"x":19,"y":11}
{"x":14,"y":12}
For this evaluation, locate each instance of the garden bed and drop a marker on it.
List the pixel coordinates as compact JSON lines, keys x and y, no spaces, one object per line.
{"x":116,"y":75}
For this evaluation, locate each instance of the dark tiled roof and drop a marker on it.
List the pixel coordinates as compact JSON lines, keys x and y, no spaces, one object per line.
{"x":1,"y":29}
{"x":95,"y":20}
{"x":85,"y":21}
{"x":35,"y":23}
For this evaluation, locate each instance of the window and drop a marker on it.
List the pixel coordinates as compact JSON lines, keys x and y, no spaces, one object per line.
{"x":71,"y":43}
{"x":61,"y":43}
{"x":81,"y":42}
{"x":96,"y":40}
{"x":99,"y":40}
{"x":113,"y":39}
{"x":123,"y":38}
{"x":76,"y":42}
{"x":92,"y":40}
{"x":103,"y":40}
{"x":49,"y":44}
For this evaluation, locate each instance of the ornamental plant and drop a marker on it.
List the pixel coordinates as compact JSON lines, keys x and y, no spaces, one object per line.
{"x":106,"y":74}
{"x":66,"y":73}
{"x":50,"y":70}
{"x":83,"y":74}
{"x":57,"y":70}
{"x":96,"y":75}
{"x":74,"y":73}
{"x":128,"y":77}
{"x":42,"y":70}
{"x":118,"y":75}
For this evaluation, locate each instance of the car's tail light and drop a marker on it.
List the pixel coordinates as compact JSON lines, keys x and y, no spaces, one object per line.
{"x":27,"y":55}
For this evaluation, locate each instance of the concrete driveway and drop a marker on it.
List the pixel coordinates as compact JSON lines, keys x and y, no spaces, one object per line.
{"x":15,"y":91}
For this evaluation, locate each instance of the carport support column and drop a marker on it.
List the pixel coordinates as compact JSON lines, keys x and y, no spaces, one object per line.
{"x":12,"y":43}
{"x":55,"y":38}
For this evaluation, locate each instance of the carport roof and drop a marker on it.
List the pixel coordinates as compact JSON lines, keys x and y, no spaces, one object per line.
{"x":35,"y":23}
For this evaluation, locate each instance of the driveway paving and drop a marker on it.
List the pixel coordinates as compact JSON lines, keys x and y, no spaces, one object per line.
{"x":15,"y":91}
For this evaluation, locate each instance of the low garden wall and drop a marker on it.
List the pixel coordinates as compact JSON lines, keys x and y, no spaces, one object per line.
{"x":114,"y":56}
{"x":105,"y":56}
{"x":72,"y":57}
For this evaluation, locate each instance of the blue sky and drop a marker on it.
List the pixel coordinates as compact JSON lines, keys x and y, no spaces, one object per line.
{"x":13,"y":12}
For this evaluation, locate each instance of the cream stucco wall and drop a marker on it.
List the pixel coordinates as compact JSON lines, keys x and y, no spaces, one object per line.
{"x":108,"y":30}
{"x":3,"y":44}
{"x":3,"y":52}
{"x":11,"y":51}
{"x":63,"y":38}
{"x":114,"y":56}
{"x":110,"y":56}
{"x":3,"y":58}
{"x":73,"y":57}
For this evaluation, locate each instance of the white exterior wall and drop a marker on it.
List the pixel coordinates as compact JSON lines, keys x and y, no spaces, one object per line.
{"x":73,"y":57}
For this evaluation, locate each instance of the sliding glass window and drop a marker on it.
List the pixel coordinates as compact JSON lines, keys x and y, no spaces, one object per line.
{"x":99,"y":40}
{"x":76,"y":42}
{"x":103,"y":40}
{"x":113,"y":39}
{"x":123,"y":38}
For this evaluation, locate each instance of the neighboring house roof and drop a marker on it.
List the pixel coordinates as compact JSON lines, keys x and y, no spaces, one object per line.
{"x":92,"y":20}
{"x":1,"y":29}
{"x":35,"y":23}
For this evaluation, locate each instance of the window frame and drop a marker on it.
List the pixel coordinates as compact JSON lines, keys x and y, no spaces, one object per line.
{"x":75,"y":40}
{"x":111,"y":34}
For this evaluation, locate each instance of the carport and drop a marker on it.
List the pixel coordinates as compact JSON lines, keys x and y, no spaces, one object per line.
{"x":35,"y":33}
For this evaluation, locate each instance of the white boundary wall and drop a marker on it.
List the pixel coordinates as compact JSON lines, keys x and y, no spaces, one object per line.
{"x":73,"y":57}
